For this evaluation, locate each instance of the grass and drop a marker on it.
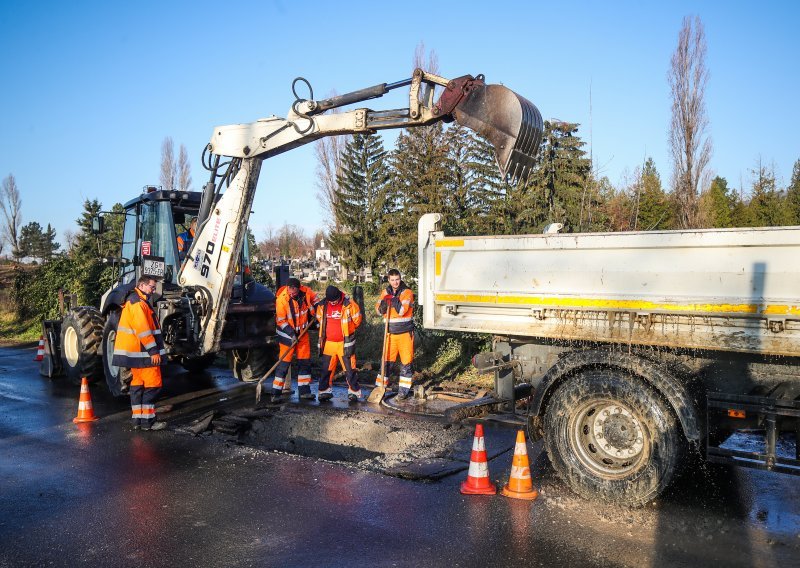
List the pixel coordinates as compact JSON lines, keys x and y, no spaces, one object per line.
{"x":14,"y":331}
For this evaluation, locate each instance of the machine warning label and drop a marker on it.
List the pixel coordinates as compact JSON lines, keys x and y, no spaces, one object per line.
{"x":153,"y":265}
{"x":145,"y":248}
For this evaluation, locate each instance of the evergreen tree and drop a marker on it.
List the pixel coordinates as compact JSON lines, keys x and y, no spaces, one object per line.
{"x":767,"y":204}
{"x":654,"y":210}
{"x":717,"y":204}
{"x":37,"y":242}
{"x":361,"y":203}
{"x":793,"y":195}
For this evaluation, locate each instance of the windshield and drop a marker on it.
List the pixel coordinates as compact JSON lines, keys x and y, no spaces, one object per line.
{"x":128,"y":246}
{"x":157,"y":236}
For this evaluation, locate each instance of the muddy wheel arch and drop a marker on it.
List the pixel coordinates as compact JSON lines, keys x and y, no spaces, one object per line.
{"x":573,"y":363}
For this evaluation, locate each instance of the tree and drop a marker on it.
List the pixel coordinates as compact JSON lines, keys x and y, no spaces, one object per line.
{"x":10,"y":206}
{"x":169,"y":169}
{"x":360,"y":204}
{"x":328,"y":151}
{"x":767,"y":204}
{"x":184,"y":171}
{"x":690,"y":145}
{"x":717,"y":204}
{"x":793,"y":195}
{"x":38,"y":243}
{"x":653,"y":210}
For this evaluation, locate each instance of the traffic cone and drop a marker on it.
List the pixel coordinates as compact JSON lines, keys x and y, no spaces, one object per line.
{"x":85,"y":410}
{"x":519,"y":485}
{"x":478,"y":482}
{"x":40,"y":350}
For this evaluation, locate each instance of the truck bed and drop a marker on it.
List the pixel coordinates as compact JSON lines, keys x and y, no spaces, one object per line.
{"x":719,"y":289}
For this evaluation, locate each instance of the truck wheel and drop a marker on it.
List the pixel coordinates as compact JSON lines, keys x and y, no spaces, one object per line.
{"x":249,"y":365}
{"x":81,"y":336}
{"x":118,"y":379}
{"x":198,"y":364}
{"x":612,"y":437}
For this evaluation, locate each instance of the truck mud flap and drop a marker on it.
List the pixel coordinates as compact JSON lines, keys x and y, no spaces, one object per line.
{"x":51,"y":363}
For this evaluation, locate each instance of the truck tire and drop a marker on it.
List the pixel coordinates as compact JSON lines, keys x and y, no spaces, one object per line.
{"x":249,"y":365}
{"x":611,"y":436}
{"x":118,"y":379}
{"x":81,"y":337}
{"x":198,"y":364}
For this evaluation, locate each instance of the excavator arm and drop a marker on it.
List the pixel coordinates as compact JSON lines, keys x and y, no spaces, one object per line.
{"x":511,"y":123}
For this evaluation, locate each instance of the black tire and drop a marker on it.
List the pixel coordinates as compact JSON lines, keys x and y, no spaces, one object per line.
{"x":611,"y":436}
{"x":198,"y":364}
{"x":249,"y":365}
{"x":118,"y":379}
{"x":81,"y":338}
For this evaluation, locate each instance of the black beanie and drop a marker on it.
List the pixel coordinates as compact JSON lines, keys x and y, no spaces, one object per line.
{"x":293,"y":282}
{"x":333,"y":294}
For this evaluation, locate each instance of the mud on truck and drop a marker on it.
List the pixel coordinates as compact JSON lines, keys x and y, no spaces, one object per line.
{"x":206,"y":304}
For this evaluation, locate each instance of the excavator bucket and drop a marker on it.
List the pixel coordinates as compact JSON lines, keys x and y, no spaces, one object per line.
{"x":510,"y":122}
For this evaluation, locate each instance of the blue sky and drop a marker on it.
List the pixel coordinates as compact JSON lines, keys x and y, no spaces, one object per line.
{"x":90,"y":89}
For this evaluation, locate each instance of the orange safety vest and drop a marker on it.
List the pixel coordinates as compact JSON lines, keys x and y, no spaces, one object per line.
{"x":138,"y":334}
{"x":401,"y":318}
{"x":291,"y":313}
{"x":351,"y":319}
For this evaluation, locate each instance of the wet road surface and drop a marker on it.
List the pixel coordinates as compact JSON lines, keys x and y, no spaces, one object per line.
{"x":100,"y":494}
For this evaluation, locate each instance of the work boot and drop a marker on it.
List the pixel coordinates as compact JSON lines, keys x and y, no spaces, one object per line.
{"x":308,"y":396}
{"x":157,"y":425}
{"x":325,"y":396}
{"x":404,"y":394}
{"x":275,"y":399}
{"x":352,"y":397}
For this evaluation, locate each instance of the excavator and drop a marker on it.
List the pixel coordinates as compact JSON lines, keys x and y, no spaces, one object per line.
{"x":199,"y":302}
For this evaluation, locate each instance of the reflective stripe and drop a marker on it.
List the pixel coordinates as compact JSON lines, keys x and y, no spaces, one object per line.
{"x":131,"y":354}
{"x":405,"y":382}
{"x":350,"y":342}
{"x":121,"y":329}
{"x":381,"y":382}
{"x":399,"y":320}
{"x":277,"y":382}
{"x":303,"y":380}
{"x":149,"y":345}
{"x":85,"y":405}
{"x":289,"y":337}
{"x":326,"y":391}
{"x":351,"y":391}
{"x":144,"y":333}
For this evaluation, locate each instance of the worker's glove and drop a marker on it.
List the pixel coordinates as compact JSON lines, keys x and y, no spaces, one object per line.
{"x":350,"y":350}
{"x":155,"y":359}
{"x":396,"y":304}
{"x":382,"y":307}
{"x":289,"y":330}
{"x":313,"y":324}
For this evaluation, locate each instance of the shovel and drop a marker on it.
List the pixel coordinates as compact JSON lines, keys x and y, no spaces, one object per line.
{"x":377,"y":394}
{"x":275,"y":366}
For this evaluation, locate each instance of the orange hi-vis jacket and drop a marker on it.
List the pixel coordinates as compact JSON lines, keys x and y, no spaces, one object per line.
{"x":138,"y":334}
{"x":400,"y":308}
{"x":351,"y":319}
{"x":293,"y":315}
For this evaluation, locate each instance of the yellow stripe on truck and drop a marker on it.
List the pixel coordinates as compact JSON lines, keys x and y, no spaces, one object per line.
{"x":449,"y":243}
{"x":627,"y":305}
{"x":438,"y":264}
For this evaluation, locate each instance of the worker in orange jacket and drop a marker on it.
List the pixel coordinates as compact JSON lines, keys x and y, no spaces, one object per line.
{"x":397,"y":303}
{"x":186,"y":238}
{"x":294,"y":310}
{"x":338,"y":318}
{"x":139,"y":346}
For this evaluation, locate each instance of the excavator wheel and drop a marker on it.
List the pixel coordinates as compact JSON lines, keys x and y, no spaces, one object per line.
{"x":81,"y":338}
{"x":118,"y":379}
{"x":249,"y":365}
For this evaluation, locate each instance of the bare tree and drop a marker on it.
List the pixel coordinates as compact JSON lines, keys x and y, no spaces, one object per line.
{"x":329,"y":162}
{"x":169,"y":169}
{"x":10,"y":206}
{"x":690,"y":144}
{"x":184,"y":170}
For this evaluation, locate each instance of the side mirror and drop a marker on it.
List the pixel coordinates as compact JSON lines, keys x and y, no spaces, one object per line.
{"x":98,"y":225}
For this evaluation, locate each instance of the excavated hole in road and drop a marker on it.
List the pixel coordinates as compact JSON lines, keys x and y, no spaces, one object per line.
{"x":388,"y":444}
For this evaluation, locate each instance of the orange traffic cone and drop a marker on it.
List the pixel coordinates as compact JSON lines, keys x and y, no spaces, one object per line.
{"x":85,"y":410}
{"x":478,"y":482}
{"x":519,"y":485}
{"x":40,"y":350}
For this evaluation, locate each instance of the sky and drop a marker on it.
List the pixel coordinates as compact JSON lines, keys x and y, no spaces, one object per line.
{"x":91,"y":89}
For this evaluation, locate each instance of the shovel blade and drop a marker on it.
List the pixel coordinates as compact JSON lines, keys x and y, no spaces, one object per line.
{"x":510,"y":122}
{"x":376,"y":396}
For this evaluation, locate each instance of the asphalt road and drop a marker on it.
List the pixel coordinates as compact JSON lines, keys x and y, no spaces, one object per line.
{"x":101,"y":495}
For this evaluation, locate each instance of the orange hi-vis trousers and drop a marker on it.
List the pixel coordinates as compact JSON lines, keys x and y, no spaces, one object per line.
{"x":302,"y":350}
{"x":399,"y":345}
{"x":144,"y":390}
